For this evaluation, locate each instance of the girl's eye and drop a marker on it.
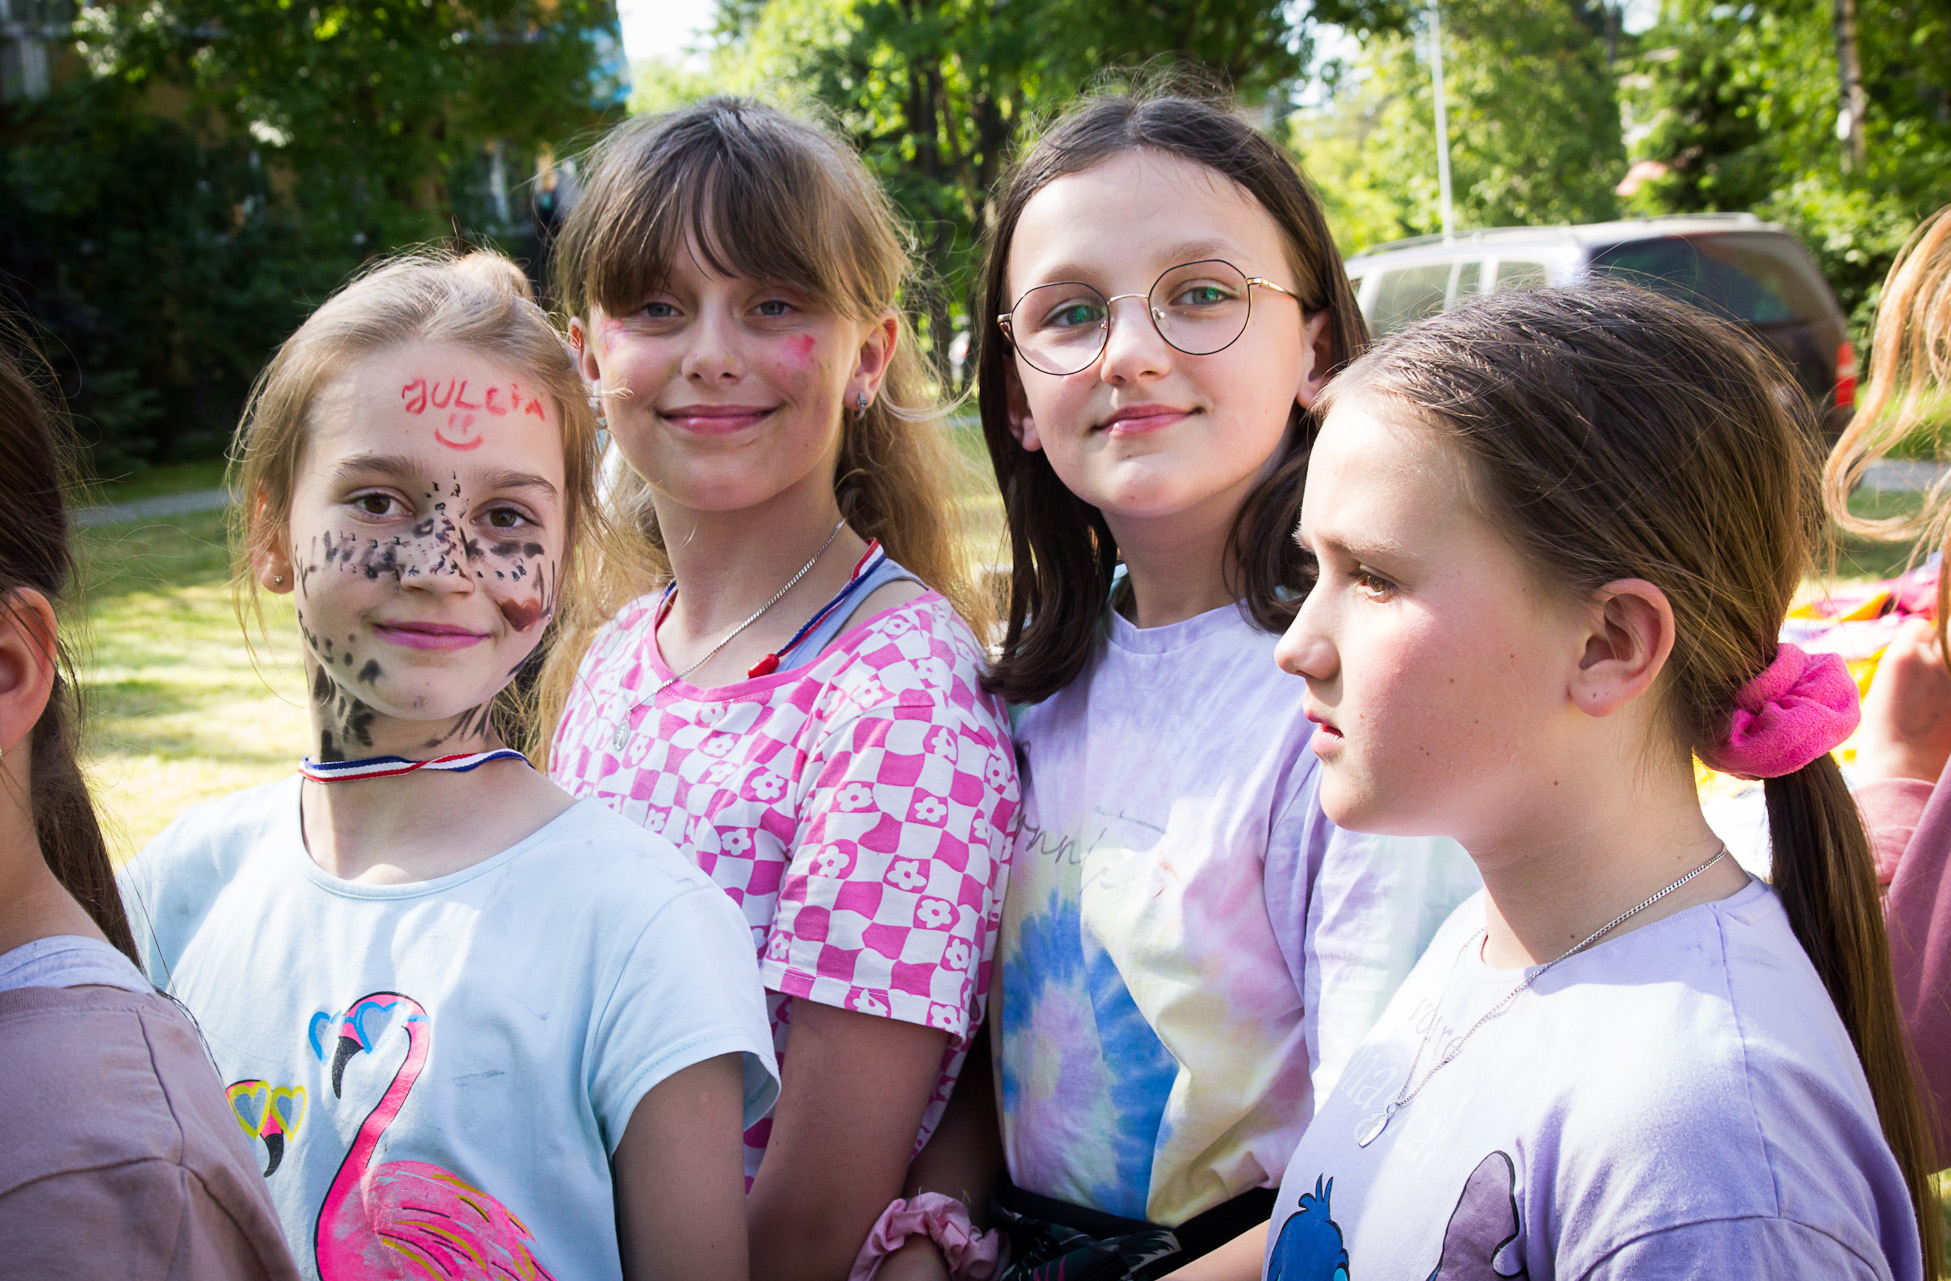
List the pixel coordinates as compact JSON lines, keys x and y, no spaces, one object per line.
{"x":659,"y":310}
{"x":1372,"y":583}
{"x":1202,"y":294}
{"x":774,"y":309}
{"x":1074,"y":315}
{"x":376,"y":504}
{"x":507,"y":518}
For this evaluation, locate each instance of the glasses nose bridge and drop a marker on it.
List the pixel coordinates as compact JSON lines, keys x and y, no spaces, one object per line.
{"x":1110,"y":304}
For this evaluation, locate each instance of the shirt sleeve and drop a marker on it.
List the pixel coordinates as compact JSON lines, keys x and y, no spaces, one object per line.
{"x":1731,"y":1249}
{"x":1917,"y":913}
{"x":686,"y":991}
{"x":888,"y":903}
{"x":1353,"y":912}
{"x":1890,"y":810}
{"x":138,"y":1219}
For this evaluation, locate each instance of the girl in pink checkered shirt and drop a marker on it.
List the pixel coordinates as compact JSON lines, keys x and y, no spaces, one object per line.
{"x":786,"y":686}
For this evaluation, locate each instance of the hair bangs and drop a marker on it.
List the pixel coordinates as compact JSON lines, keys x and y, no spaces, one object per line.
{"x":743,"y":206}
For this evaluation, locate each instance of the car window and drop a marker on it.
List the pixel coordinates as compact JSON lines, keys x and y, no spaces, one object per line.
{"x":1466,"y":279}
{"x":1760,"y":278}
{"x":1518,"y":273}
{"x":1406,"y":295}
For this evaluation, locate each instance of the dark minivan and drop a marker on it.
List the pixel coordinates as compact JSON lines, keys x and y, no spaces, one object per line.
{"x":1733,"y":264}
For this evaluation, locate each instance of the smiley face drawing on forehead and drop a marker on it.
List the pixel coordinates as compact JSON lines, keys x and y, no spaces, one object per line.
{"x":450,"y":395}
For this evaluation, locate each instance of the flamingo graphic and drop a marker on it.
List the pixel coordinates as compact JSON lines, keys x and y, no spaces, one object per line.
{"x":408,"y":1220}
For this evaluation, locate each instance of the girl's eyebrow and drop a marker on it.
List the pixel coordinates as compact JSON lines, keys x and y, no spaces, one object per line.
{"x":376,"y":467}
{"x":501,"y":480}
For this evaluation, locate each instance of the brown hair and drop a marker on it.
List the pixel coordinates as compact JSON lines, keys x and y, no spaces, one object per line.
{"x":763,"y":195}
{"x":1910,"y":363}
{"x":36,"y":553}
{"x":1611,"y":433}
{"x":1062,"y":550}
{"x":480,"y":301}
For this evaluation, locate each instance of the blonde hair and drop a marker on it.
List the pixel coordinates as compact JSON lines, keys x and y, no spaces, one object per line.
{"x":763,"y":195}
{"x":479,"y":301}
{"x":1910,"y":363}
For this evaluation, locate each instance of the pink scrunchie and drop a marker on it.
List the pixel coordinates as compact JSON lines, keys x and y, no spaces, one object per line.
{"x":971,"y":1255}
{"x":1801,"y":706}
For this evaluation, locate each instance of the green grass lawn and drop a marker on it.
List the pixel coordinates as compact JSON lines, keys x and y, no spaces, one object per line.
{"x":177,"y":711}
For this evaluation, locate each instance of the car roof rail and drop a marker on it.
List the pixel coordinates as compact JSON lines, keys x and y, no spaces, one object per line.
{"x":1478,"y":234}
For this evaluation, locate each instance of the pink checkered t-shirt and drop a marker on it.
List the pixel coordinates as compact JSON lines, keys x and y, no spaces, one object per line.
{"x":858,"y":809}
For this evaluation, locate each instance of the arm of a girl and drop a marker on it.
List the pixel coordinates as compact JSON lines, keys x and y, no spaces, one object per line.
{"x":851,"y":1099}
{"x":881,"y":934}
{"x":680,"y":1177}
{"x":963,"y":1160}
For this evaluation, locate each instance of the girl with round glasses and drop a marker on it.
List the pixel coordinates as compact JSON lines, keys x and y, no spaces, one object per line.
{"x":1188,"y":947}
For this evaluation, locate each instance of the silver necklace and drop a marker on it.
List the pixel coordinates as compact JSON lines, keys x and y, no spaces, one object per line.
{"x":622,"y":734}
{"x":1371,"y":1129}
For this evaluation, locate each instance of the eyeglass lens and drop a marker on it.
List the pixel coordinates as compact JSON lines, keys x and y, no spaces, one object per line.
{"x":1197,"y":307}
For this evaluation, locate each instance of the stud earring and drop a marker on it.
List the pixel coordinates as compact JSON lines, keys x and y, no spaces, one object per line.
{"x":861,"y":402}
{"x":278,"y":580}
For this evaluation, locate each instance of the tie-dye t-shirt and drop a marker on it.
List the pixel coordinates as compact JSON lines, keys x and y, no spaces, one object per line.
{"x":1190,"y":949}
{"x":1680,"y":1101}
{"x":856,"y":809}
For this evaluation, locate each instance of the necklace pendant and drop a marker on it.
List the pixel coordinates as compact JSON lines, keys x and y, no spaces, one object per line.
{"x":1371,"y":1130}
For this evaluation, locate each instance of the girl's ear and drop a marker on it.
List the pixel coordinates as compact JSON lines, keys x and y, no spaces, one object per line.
{"x":1630,"y":637}
{"x":271,"y":563}
{"x":580,"y":341}
{"x":1320,"y":359}
{"x":1021,"y":424}
{"x":876,"y":354}
{"x":27,"y":638}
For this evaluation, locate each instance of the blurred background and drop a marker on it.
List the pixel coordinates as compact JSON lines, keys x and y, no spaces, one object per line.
{"x":180,"y":180}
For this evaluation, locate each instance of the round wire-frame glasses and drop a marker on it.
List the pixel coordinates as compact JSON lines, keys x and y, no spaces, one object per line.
{"x":1199,"y":308}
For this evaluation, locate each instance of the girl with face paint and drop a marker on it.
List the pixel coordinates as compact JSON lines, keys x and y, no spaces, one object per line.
{"x":786,"y":688}
{"x":446,"y":995}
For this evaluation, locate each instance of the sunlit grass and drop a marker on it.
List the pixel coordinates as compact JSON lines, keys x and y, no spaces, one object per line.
{"x":177,"y":712}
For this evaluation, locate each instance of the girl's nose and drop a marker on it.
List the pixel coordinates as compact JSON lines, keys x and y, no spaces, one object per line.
{"x":1305,"y":648}
{"x":1133,"y":349}
{"x":713,"y":352}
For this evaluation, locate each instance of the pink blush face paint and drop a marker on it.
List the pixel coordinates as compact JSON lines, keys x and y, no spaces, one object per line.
{"x":802,"y":346}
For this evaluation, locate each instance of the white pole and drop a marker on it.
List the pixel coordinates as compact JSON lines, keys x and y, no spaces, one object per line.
{"x":1442,"y":117}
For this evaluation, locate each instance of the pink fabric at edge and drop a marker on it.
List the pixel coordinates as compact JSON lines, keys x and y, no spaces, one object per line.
{"x":1917,"y":911}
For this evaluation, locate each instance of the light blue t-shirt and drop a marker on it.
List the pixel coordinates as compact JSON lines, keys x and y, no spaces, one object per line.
{"x":441,"y":1070}
{"x":1680,"y":1101}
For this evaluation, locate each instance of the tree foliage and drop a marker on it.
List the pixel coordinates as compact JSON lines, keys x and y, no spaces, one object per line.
{"x":1533,"y":118}
{"x":1741,"y":102}
{"x":170,"y":213}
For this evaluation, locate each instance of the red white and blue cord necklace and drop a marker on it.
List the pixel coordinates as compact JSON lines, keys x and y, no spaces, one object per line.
{"x":395,"y":766}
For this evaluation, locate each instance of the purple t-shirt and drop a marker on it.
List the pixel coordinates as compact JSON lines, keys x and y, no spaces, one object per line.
{"x":1680,"y":1101}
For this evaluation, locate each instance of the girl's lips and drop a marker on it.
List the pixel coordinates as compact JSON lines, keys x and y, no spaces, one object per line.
{"x":436,"y":636}
{"x":1141,"y":420}
{"x":715,"y":420}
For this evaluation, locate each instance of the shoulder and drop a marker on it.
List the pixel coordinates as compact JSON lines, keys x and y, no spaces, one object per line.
{"x":1706,"y":1060}
{"x":115,"y":1120}
{"x":615,"y":862}
{"x":915,"y":656}
{"x":617,"y":638}
{"x":208,"y":843}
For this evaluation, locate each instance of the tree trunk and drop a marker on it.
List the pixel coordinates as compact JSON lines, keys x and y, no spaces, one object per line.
{"x":1853,"y":101}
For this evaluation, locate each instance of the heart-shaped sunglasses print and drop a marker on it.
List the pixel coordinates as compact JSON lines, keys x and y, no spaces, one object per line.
{"x":269,"y":1113}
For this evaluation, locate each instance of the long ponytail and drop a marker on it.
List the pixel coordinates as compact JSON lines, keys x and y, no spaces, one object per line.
{"x":36,"y":553}
{"x":1825,"y":875}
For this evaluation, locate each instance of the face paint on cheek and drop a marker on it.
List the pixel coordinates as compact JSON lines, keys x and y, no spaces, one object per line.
{"x":802,"y":347}
{"x":521,"y":614}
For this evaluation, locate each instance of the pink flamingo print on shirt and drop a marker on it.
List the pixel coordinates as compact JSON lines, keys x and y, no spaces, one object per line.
{"x":408,"y":1219}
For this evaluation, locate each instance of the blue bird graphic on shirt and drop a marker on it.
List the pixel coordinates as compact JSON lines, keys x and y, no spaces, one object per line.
{"x":1310,"y":1246}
